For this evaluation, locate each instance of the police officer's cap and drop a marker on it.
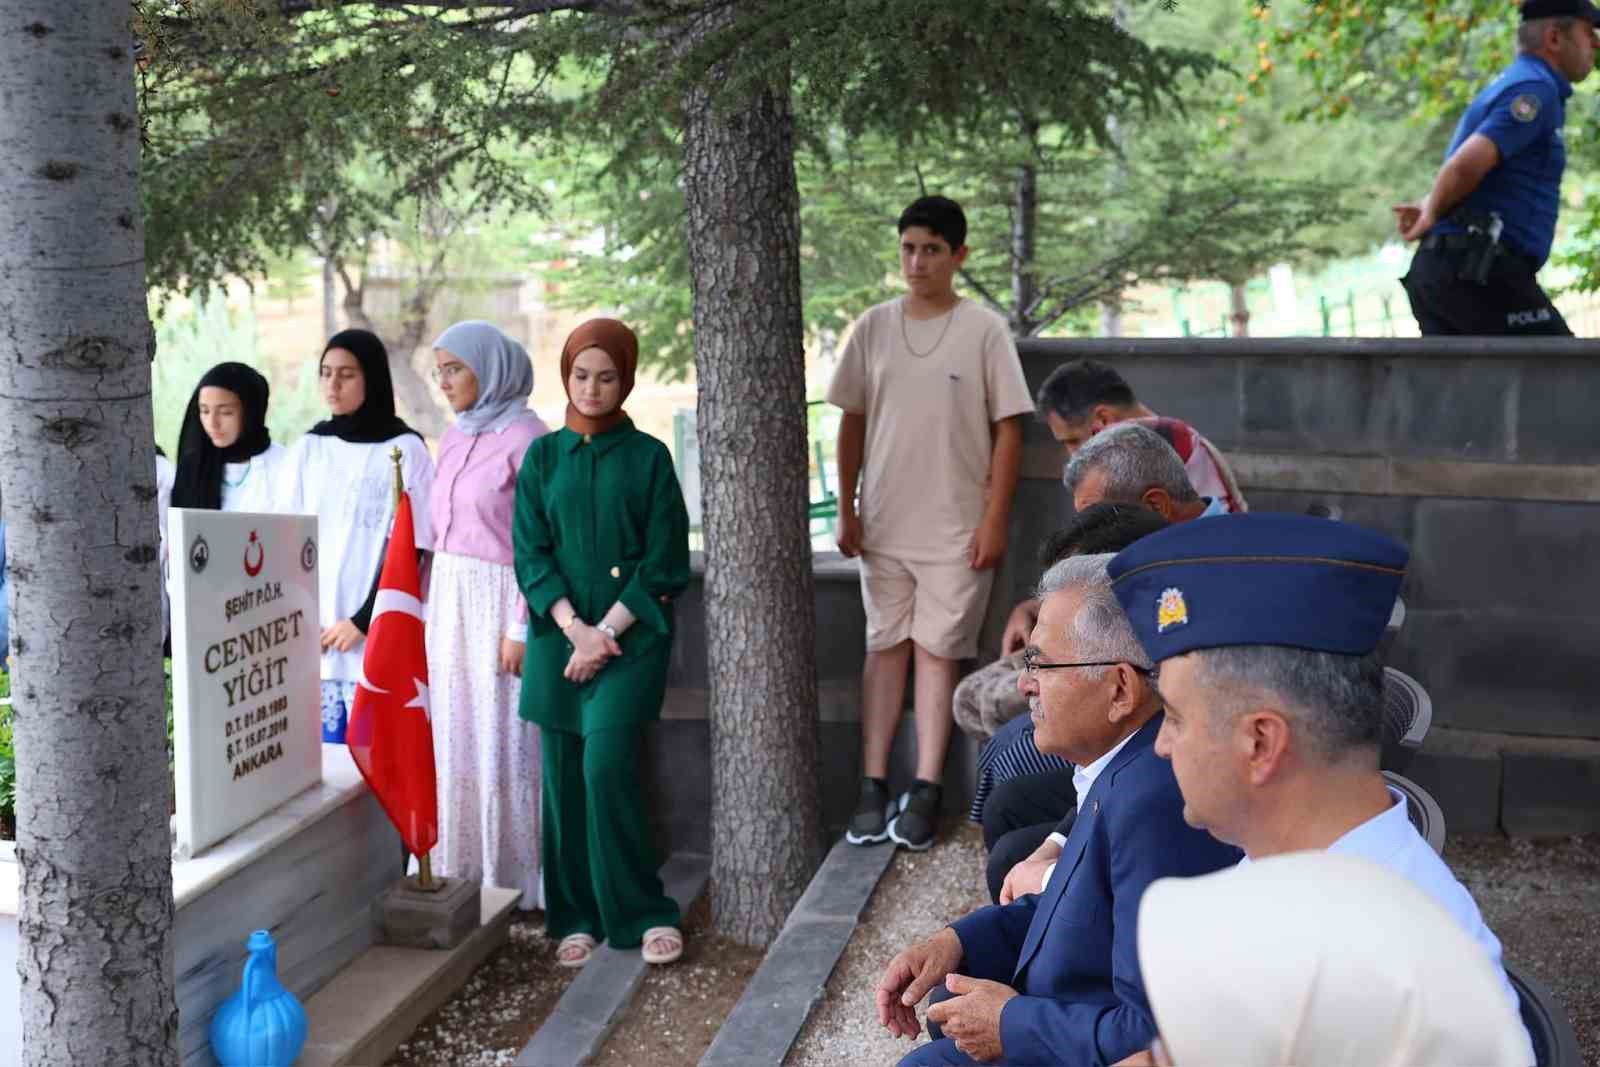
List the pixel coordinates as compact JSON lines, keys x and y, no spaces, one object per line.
{"x":1553,"y":9}
{"x":1260,"y":579}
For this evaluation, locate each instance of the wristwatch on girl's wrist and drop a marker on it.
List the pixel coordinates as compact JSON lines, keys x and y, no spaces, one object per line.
{"x":572,"y":620}
{"x":607,"y":629}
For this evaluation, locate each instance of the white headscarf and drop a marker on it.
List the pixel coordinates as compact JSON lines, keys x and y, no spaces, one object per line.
{"x":503,"y":370}
{"x":1314,"y":958}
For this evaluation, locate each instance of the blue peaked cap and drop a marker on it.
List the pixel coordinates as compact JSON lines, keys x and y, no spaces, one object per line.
{"x":1259,"y":579}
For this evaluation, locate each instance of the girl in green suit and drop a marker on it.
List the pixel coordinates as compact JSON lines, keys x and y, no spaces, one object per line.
{"x":601,"y":542}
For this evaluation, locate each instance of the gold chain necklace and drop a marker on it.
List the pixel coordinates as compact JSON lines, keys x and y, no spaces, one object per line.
{"x":950,"y":317}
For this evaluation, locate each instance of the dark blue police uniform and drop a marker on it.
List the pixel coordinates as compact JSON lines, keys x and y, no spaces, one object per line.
{"x":1522,"y":112}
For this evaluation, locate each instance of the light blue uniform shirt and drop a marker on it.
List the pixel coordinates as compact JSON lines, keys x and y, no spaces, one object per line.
{"x":1390,"y":840}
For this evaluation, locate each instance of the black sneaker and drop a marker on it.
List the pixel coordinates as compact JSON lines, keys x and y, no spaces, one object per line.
{"x":913,"y":827}
{"x":868,"y":826}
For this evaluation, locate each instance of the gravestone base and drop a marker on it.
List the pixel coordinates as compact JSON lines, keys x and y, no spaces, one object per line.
{"x":416,"y":918}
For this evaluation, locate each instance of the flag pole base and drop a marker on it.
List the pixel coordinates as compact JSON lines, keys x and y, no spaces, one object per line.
{"x":424,"y":881}
{"x":440,"y":916}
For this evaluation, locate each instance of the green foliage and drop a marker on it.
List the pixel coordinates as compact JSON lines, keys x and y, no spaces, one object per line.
{"x":1422,"y":59}
{"x":1175,"y":204}
{"x":294,"y":125}
{"x":1166,"y":209}
{"x":258,"y":116}
{"x":617,"y":241}
{"x":166,"y":688}
{"x":935,"y":68}
{"x":292,"y":277}
{"x":1413,"y":65}
{"x":1260,"y":115}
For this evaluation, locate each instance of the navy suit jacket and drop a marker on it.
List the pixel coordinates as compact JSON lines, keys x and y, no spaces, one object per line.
{"x":1071,"y":951}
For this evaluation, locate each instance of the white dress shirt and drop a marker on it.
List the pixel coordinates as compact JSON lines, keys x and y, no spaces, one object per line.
{"x":1389,"y":839}
{"x":1083,"y":779}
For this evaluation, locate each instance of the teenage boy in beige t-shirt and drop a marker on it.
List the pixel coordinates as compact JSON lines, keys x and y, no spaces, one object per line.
{"x":933,"y":395}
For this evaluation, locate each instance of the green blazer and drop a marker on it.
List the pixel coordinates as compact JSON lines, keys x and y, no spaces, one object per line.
{"x":599,"y":520}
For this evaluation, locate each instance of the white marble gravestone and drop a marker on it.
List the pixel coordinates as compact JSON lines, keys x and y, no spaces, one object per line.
{"x":245,"y":668}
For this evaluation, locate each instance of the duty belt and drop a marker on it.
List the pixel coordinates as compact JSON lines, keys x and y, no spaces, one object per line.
{"x":1460,"y":242}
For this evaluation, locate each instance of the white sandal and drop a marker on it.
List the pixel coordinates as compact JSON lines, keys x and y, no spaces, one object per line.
{"x":662,"y":933}
{"x":585,"y":942}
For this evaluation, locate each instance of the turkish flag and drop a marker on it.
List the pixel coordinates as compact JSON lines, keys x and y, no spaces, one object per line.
{"x":391,"y":732}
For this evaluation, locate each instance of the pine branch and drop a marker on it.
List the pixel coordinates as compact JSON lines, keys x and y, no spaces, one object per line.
{"x":507,"y":11}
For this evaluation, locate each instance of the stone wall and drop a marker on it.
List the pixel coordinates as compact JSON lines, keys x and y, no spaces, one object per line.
{"x":1487,"y":464}
{"x":1482,"y":455}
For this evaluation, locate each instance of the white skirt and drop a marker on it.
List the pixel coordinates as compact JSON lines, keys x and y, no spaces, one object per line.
{"x":487,"y":757}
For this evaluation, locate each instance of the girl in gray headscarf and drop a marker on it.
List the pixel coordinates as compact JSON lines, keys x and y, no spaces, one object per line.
{"x":487,"y":757}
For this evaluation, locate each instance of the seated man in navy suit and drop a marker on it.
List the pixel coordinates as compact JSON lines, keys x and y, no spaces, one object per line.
{"x":1054,"y":977}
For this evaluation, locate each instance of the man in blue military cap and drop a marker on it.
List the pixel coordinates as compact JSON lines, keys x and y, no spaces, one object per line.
{"x":1263,"y":629}
{"x":1487,"y":224}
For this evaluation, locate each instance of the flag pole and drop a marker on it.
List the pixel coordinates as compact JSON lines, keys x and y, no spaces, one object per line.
{"x":425,"y":861}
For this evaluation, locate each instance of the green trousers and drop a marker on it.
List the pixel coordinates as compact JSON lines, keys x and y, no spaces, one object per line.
{"x":599,"y":862}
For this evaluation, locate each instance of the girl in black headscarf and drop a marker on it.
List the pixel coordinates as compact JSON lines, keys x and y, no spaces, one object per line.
{"x":341,"y":472}
{"x":372,"y":419}
{"x":226,"y":458}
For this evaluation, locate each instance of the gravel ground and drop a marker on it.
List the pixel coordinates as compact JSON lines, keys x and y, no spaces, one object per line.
{"x":1543,"y":900}
{"x":679,"y":1008}
{"x":920,"y":892}
{"x":495,"y":1014}
{"x":1541,"y":897}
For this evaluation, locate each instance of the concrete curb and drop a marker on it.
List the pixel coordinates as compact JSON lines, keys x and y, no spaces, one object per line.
{"x":597,"y":998}
{"x":368,"y":1009}
{"x":780,"y":996}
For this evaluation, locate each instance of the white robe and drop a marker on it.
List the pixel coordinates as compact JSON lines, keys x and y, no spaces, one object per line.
{"x":349,"y":487}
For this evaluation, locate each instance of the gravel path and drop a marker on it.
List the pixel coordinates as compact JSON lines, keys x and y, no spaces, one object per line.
{"x":495,"y":1014}
{"x":1543,"y":900}
{"x":1541,"y":897}
{"x":678,"y":1009}
{"x":920,"y":892}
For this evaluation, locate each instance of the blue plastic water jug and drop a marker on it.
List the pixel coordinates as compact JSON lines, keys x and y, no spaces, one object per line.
{"x":262,"y":1025}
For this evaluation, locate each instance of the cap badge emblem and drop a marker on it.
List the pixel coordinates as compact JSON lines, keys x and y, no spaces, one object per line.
{"x":1525,"y":108}
{"x":1171,"y":610}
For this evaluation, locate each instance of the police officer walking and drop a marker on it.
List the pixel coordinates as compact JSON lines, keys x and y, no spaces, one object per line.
{"x":1487,"y":224}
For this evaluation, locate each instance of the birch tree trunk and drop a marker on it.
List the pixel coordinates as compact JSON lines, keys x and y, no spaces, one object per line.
{"x":77,"y":472}
{"x":744,"y":261}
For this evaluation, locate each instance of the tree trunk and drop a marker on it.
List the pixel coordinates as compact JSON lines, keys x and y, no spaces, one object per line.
{"x":412,"y":392}
{"x":1024,"y":228}
{"x":1238,"y":310}
{"x":1111,"y":318}
{"x":744,"y":240}
{"x":77,"y":472}
{"x":330,"y":299}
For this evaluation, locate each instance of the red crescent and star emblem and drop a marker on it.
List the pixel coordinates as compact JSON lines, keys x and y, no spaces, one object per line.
{"x":261,"y":556}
